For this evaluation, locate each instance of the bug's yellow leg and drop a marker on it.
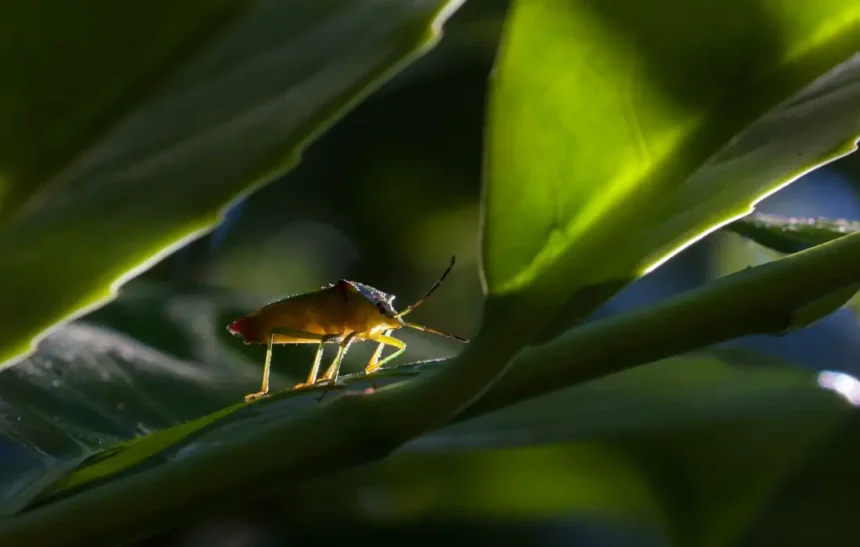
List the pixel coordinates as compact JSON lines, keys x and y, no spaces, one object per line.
{"x":384,"y":340}
{"x":267,"y":368}
{"x":315,"y":369}
{"x":264,"y":390}
{"x":334,"y":370}
{"x":377,"y":353}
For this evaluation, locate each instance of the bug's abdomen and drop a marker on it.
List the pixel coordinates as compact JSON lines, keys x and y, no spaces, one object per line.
{"x":334,"y":310}
{"x":250,"y":329}
{"x":321,"y":313}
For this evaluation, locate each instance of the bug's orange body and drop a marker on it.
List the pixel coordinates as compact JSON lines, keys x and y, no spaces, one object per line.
{"x":340,"y":309}
{"x":341,"y":313}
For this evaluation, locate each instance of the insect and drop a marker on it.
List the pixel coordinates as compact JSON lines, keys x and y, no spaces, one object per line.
{"x":341,"y":313}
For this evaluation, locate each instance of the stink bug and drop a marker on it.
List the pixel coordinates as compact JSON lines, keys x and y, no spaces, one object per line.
{"x":341,"y":313}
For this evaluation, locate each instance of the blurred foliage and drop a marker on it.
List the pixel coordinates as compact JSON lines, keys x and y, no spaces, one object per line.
{"x":710,"y":448}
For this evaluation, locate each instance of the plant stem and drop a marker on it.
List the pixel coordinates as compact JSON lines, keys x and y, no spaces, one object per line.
{"x":760,"y":300}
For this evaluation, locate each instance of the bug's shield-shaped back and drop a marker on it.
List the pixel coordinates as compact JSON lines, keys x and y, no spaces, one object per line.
{"x":374,"y":296}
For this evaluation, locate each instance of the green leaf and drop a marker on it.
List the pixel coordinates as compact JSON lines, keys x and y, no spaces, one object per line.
{"x":818,"y":505}
{"x":620,"y":426}
{"x":694,"y":447}
{"x":119,"y":407}
{"x":791,"y":234}
{"x":849,"y":167}
{"x":603,"y":116}
{"x":89,"y":388}
{"x":824,"y":306}
{"x":94,"y":402}
{"x":105,"y":400}
{"x":149,"y":147}
{"x":90,"y":62}
{"x":764,"y":300}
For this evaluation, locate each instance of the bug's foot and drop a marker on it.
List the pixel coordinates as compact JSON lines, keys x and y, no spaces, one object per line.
{"x":252,"y":396}
{"x":328,"y":382}
{"x":305,"y":385}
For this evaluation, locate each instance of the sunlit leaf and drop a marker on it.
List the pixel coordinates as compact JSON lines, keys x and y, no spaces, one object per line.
{"x":603,"y":117}
{"x":123,"y":167}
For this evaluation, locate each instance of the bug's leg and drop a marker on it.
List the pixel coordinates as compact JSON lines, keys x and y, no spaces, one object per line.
{"x":334,"y":370}
{"x":374,"y":359}
{"x":315,"y":369}
{"x":296,"y":334}
{"x":377,"y":353}
{"x":373,"y":366}
{"x":267,"y":368}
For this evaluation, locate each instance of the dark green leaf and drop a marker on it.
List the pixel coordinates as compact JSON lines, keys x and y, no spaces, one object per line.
{"x":98,"y":402}
{"x":818,"y":505}
{"x":94,"y":394}
{"x":734,"y":427}
{"x":824,"y":306}
{"x":693,"y":446}
{"x":147,"y":148}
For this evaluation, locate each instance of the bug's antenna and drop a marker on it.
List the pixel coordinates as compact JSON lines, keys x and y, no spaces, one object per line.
{"x":434,"y":331}
{"x":421,"y":300}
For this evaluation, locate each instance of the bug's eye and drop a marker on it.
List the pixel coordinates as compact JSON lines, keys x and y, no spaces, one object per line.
{"x":380,"y":307}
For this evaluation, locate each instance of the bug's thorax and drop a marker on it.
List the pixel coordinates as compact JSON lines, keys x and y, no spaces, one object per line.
{"x":370,"y":310}
{"x":372,"y":319}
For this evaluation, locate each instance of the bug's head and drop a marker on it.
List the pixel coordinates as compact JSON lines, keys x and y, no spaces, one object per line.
{"x":385,"y":308}
{"x":389,"y":315}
